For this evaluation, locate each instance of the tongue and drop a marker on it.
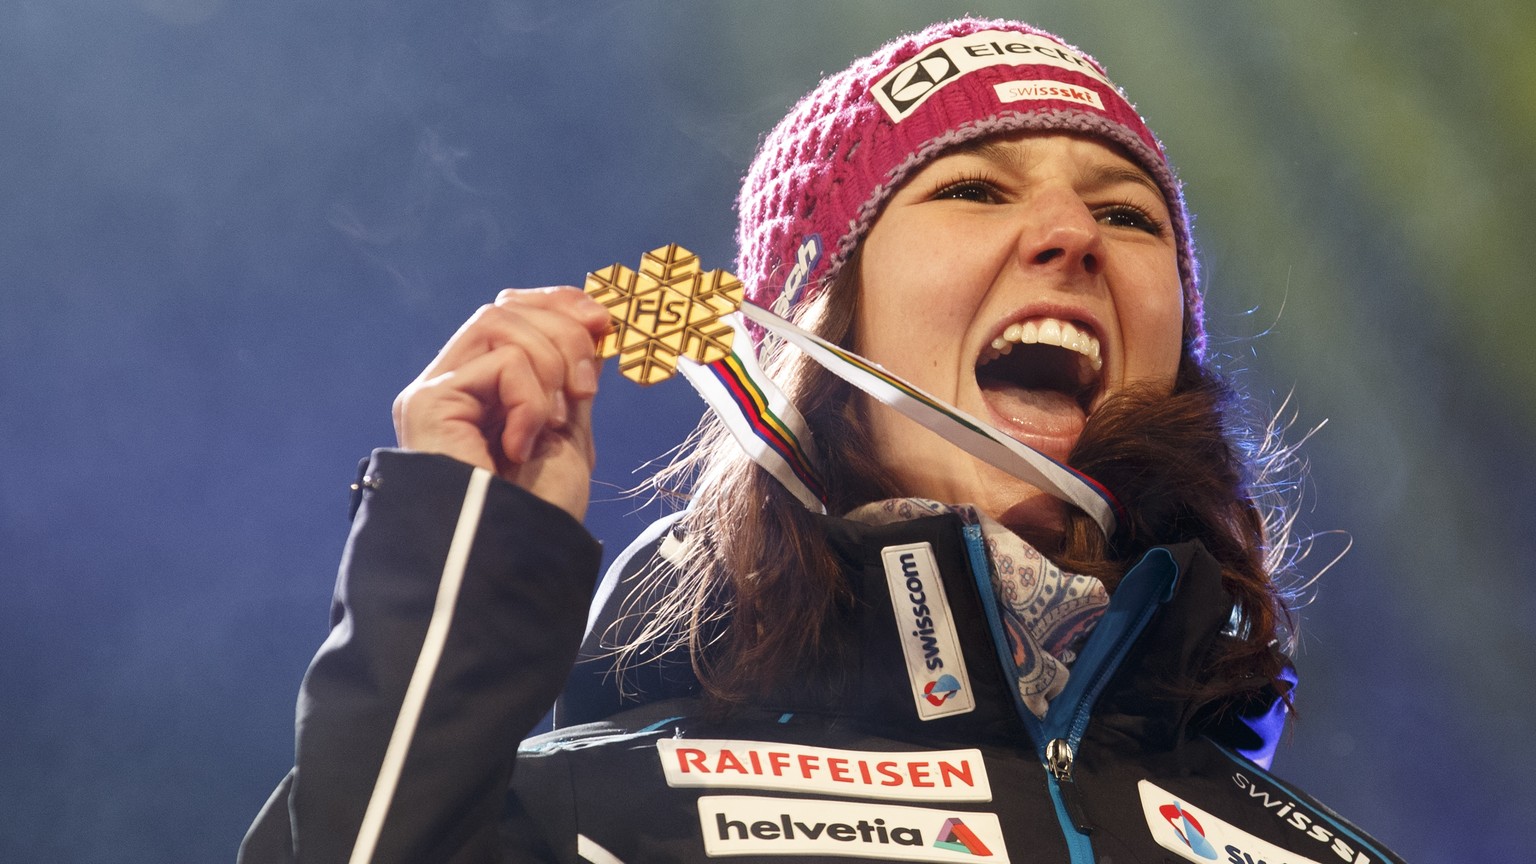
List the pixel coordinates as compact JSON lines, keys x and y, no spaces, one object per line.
{"x":1033,"y":411}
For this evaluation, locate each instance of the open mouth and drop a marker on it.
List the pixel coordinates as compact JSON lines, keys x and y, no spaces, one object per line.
{"x":1039,"y":379}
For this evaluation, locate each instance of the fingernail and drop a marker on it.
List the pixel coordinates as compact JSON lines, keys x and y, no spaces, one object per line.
{"x":526,"y":451}
{"x":560,"y":413}
{"x":584,"y":377}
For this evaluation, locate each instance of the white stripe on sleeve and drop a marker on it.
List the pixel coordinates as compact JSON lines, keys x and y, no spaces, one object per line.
{"x":589,"y":850}
{"x":426,"y":666}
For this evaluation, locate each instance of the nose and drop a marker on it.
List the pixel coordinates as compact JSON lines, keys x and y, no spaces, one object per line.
{"x":1061,"y":233}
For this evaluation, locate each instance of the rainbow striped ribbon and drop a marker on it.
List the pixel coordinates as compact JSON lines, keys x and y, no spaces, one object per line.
{"x":760,"y":417}
{"x":771,"y":430}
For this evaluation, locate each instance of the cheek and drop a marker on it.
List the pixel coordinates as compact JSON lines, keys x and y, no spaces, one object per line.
{"x":914,"y":335}
{"x":921,"y":283}
{"x":1153,"y":321}
{"x":900,"y":305}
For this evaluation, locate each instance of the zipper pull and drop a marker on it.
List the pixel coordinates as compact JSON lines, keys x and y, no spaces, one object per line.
{"x":1058,"y":760}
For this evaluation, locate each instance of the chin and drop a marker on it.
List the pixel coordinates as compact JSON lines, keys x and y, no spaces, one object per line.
{"x":1035,"y":515}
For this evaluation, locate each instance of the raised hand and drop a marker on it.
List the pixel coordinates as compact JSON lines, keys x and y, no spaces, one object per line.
{"x":512,"y":392}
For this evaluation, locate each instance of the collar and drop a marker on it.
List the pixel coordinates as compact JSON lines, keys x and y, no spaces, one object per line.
{"x":1142,"y":695}
{"x":1139,"y":701}
{"x":1044,"y":613}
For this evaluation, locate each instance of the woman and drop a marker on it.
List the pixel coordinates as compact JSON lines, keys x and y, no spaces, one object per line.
{"x":954,"y":664}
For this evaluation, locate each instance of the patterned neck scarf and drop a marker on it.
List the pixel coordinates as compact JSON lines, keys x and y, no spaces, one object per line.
{"x":1047,"y":613}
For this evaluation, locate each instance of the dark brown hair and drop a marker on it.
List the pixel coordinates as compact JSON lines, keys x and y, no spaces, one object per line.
{"x":1186,"y":465}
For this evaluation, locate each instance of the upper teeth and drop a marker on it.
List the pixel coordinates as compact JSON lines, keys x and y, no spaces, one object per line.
{"x":1046,"y":331}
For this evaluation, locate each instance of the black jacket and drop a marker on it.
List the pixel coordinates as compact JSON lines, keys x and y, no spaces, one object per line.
{"x":454,"y":662}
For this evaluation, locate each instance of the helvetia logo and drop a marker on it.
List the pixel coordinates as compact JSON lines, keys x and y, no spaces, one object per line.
{"x":940,"y":690}
{"x":1189,"y":830}
{"x":955,"y":837}
{"x":754,"y":825}
{"x":919,"y":78}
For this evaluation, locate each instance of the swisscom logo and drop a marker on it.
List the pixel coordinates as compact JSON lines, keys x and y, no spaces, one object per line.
{"x":929,"y":644}
{"x":939,"y":691}
{"x":1189,"y":830}
{"x":1200,"y":836}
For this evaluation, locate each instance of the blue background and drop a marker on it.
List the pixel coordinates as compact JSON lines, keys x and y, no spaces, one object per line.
{"x":231,"y":232}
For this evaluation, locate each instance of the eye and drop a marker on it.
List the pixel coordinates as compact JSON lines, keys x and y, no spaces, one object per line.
{"x":978,"y":190}
{"x":1131,"y":216}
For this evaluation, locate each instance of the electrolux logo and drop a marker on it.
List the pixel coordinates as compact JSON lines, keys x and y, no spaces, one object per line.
{"x":919,"y":77}
{"x":904,"y":89}
{"x":749,"y":825}
{"x":1189,"y":830}
{"x":929,"y":644}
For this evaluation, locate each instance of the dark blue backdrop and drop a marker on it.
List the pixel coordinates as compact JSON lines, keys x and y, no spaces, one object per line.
{"x":229,"y":233}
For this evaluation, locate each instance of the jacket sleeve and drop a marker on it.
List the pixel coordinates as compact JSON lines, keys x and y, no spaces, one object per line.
{"x":459,"y":608}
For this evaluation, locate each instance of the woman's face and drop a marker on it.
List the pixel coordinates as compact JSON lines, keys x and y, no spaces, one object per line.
{"x":1024,"y":279}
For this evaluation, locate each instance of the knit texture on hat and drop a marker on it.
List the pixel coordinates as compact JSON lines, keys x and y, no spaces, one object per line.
{"x":824,"y":173}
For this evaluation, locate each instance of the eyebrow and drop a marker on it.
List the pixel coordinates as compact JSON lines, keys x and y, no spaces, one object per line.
{"x":1096,"y":175}
{"x":1108,"y":175}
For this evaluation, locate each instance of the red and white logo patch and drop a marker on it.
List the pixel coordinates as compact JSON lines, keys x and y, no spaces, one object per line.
{"x":926,"y":775}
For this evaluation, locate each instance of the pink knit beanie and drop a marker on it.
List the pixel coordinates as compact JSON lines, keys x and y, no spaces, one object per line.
{"x":824,"y":173}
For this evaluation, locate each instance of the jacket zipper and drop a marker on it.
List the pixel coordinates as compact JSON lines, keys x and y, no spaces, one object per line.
{"x":1144,"y":588}
{"x":1058,"y":761}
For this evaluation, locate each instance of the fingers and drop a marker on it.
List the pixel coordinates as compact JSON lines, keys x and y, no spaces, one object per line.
{"x":506,"y":378}
{"x":554,"y":307}
{"x":558,"y":325}
{"x":516,"y":370}
{"x":560,"y":298}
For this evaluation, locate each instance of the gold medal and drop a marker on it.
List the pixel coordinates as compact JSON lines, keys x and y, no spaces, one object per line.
{"x":667,"y":310}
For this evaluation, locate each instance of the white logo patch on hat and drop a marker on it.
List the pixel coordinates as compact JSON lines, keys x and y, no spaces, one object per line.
{"x":806,"y":258}
{"x":1020,"y":91}
{"x":935,"y":666}
{"x":909,"y":85}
